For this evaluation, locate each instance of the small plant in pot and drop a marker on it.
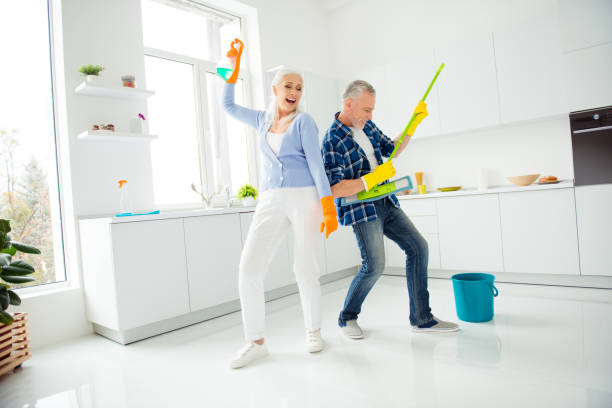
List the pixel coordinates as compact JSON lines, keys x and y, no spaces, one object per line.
{"x":247,"y":194}
{"x":12,"y":271}
{"x":91,"y":72}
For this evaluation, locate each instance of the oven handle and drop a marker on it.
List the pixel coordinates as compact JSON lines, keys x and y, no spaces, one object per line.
{"x":592,"y":129}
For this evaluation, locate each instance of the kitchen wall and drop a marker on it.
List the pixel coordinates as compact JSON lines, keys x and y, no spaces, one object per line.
{"x":365,"y":39}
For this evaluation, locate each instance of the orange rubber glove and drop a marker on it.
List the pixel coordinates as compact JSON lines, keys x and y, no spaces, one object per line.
{"x":421,"y":113}
{"x":329,"y":216}
{"x":234,"y":55}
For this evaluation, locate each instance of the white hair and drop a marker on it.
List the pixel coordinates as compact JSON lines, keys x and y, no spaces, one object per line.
{"x":272,"y":111}
{"x":356,"y":88}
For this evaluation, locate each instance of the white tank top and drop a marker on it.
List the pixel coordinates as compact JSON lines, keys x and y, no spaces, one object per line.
{"x":275,"y":140}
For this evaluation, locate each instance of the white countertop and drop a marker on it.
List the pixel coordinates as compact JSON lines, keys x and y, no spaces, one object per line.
{"x":198,"y":212}
{"x":493,"y":190}
{"x":167,"y":214}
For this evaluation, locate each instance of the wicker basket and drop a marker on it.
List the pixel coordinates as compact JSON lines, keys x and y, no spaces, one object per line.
{"x":14,"y":343}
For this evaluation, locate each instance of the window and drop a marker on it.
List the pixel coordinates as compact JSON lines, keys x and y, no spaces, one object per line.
{"x":29,"y":195}
{"x":197,"y":143}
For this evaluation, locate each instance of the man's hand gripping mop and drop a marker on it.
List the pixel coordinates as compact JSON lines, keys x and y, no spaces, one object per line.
{"x":396,"y":186}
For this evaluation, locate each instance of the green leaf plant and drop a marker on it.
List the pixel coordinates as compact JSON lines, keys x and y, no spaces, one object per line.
{"x":91,"y":69}
{"x":12,"y":271}
{"x":247,"y":191}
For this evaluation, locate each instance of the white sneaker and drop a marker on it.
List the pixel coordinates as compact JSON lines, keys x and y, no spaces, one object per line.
{"x":352,"y":330}
{"x":248,"y":354}
{"x":314,"y":342}
{"x":439,"y":326}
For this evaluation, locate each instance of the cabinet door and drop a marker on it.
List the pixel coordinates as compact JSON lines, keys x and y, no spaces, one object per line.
{"x":341,"y":250}
{"x":280,"y":272}
{"x":529,"y":70}
{"x":593,"y":204}
{"x":213,"y":246}
{"x":467,"y":87}
{"x":407,"y":82}
{"x":470,"y":236}
{"x":150,"y":271}
{"x":539,"y":232}
{"x":587,"y":75}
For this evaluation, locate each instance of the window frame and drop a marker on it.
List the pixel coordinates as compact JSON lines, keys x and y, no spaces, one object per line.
{"x":202,"y":67}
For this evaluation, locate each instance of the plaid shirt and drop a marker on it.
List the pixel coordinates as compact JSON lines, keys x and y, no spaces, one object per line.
{"x":344,"y":159}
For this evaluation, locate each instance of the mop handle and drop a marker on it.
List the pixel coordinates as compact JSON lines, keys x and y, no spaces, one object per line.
{"x":399,"y":142}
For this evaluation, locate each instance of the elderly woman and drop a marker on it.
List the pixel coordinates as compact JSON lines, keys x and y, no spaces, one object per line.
{"x":295,"y":194}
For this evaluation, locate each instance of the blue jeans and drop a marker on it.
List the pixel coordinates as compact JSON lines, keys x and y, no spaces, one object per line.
{"x":393,"y":223}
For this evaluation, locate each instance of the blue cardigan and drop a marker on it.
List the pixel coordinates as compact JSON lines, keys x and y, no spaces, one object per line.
{"x":299,"y":162}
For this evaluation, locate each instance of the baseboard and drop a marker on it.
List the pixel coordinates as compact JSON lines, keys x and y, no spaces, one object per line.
{"x":164,"y":326}
{"x":578,"y":281}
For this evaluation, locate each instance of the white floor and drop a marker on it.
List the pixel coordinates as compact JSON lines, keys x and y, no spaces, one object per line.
{"x":547,"y":347}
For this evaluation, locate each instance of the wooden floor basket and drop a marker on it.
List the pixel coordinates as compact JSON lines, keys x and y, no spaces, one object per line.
{"x":14,"y":343}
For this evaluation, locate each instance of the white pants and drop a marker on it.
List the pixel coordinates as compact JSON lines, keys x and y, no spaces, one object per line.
{"x":298,"y":208}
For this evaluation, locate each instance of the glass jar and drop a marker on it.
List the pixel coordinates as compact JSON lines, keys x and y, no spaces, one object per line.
{"x":129,"y":81}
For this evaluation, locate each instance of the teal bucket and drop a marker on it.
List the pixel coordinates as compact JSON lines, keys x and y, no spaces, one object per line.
{"x":474,"y":293}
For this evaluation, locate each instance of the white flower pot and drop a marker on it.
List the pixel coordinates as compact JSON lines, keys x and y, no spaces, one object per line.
{"x":92,"y":78}
{"x":248,"y":201}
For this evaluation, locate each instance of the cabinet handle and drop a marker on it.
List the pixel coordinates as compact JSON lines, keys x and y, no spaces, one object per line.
{"x":592,"y":129}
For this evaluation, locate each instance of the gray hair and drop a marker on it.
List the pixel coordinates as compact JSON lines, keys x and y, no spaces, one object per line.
{"x":272,"y":112}
{"x":356,"y":88}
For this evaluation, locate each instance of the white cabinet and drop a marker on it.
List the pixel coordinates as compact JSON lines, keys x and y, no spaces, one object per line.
{"x":407,"y":81}
{"x":467,"y":86}
{"x":149,"y":271}
{"x":593,"y":204}
{"x":280,"y":272}
{"x":539,"y":232}
{"x":529,"y":70}
{"x":585,"y":23}
{"x":341,"y":250}
{"x":470,"y":236}
{"x":212,"y":248}
{"x":587,"y":75}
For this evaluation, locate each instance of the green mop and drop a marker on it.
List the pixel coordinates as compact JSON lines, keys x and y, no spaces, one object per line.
{"x":396,"y":186}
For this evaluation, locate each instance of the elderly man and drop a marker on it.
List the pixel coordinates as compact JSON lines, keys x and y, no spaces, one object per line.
{"x":353,"y":150}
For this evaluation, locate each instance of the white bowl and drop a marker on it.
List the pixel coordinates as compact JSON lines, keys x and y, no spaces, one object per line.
{"x":523,"y":180}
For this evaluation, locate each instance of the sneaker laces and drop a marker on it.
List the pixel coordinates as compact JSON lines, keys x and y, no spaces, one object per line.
{"x":243,"y":351}
{"x":313,"y":336}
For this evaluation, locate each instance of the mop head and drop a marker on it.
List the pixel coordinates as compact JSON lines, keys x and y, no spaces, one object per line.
{"x":378,"y":192}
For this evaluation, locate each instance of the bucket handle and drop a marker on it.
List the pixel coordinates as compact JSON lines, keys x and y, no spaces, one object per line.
{"x":495,"y":291}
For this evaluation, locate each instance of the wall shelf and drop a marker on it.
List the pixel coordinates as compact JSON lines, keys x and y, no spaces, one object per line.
{"x":119,"y":92}
{"x":108,"y":136}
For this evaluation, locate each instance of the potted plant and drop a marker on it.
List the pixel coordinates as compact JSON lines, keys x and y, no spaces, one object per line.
{"x":247,"y":194}
{"x":14,"y":344}
{"x":91,"y":72}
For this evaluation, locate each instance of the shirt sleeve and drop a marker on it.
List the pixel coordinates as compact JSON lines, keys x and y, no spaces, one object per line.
{"x":309,"y":135}
{"x":333,"y":160}
{"x":247,"y":116}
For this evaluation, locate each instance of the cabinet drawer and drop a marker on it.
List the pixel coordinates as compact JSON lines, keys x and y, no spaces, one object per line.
{"x":421,"y":206}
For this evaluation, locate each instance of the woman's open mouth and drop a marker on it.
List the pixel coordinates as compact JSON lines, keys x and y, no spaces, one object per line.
{"x":290,"y":101}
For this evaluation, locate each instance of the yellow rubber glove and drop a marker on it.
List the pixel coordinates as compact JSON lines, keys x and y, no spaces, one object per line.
{"x":381,"y":173}
{"x":329,"y":216}
{"x":421,"y":112}
{"x":234,"y":55}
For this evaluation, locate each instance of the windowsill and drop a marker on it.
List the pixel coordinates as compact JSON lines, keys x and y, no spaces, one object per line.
{"x":46,"y":289}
